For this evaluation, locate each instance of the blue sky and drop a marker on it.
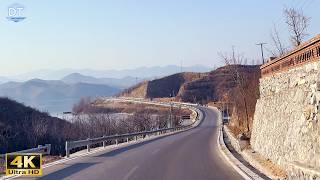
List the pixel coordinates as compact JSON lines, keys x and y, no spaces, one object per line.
{"x":120,"y":34}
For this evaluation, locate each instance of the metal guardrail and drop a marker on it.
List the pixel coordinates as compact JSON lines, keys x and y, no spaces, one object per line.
{"x":88,"y":142}
{"x":40,"y":149}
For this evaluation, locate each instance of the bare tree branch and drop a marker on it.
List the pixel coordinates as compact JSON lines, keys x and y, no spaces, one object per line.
{"x":280,"y":49}
{"x":297,"y":23}
{"x":238,"y":78}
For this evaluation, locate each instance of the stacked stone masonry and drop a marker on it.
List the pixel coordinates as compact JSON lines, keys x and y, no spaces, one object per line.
{"x":286,"y":127}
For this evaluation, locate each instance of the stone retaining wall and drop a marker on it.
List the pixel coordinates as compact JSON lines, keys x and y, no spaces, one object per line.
{"x":286,"y":125}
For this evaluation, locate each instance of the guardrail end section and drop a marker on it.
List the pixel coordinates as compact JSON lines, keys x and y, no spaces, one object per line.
{"x":48,"y":149}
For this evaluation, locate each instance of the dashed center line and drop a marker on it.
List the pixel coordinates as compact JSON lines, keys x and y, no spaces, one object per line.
{"x":131,"y":172}
{"x":155,"y":151}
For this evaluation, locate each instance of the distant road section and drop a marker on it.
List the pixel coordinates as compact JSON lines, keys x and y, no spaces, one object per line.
{"x":189,"y":155}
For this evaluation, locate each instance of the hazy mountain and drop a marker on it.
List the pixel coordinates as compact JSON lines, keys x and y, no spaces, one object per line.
{"x":4,"y":79}
{"x":54,"y":95}
{"x":141,"y":72}
{"x":115,"y":82}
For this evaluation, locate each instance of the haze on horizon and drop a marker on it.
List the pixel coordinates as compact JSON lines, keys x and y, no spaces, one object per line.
{"x":127,"y":34}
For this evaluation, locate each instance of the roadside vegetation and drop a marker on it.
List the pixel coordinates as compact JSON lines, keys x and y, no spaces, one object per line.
{"x":98,"y":117}
{"x":23,"y":127}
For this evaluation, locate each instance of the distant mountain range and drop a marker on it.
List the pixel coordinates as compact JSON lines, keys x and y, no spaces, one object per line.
{"x":141,"y":72}
{"x":4,"y":79}
{"x":119,"y":83}
{"x":68,"y":85}
{"x":53,"y":95}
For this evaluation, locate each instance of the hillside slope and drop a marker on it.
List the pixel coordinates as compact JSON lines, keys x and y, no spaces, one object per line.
{"x":168,"y":86}
{"x":22,"y":127}
{"x":220,"y":86}
{"x":195,"y":87}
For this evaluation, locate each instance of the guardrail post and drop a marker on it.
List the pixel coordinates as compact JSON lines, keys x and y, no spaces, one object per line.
{"x":67,"y":150}
{"x":88,"y":146}
{"x":116,"y":141}
{"x":135,"y":138}
{"x":104,"y":142}
{"x":48,"y":149}
{"x":127,"y":139}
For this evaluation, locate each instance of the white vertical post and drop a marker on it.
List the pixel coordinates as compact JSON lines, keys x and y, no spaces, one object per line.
{"x":88,"y":146}
{"x":67,"y":150}
{"x":104,"y":142}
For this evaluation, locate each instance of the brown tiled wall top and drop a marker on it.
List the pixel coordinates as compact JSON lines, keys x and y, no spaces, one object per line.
{"x":305,"y":53}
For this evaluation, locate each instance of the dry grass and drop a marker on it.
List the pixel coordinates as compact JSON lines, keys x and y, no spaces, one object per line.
{"x":269,"y":165}
{"x":235,"y":130}
{"x":129,"y":107}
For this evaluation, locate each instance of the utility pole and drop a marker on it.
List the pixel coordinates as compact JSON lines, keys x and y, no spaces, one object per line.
{"x":261,"y":47}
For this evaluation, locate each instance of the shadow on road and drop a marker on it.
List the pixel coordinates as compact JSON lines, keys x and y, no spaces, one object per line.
{"x":133,"y":146}
{"x":68,"y":171}
{"x":124,"y":149}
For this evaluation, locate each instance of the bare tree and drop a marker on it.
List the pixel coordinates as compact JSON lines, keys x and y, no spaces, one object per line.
{"x":297,"y":23}
{"x":83,"y":106}
{"x":6,"y":133}
{"x":39,"y":127}
{"x":241,"y":82}
{"x":233,"y":58}
{"x":279,"y":47}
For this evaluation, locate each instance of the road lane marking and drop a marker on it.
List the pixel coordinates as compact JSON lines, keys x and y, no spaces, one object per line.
{"x":131,"y":172}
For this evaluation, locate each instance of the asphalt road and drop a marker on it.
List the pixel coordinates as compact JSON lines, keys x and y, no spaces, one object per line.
{"x":189,"y":155}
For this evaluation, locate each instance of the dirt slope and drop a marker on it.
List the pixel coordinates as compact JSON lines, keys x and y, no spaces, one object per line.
{"x":168,"y":86}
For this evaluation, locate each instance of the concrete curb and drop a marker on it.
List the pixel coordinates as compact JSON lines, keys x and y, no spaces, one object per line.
{"x":228,"y":156}
{"x":245,"y":172}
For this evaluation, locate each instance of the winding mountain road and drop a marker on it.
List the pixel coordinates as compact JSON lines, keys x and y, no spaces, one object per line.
{"x":188,"y":155}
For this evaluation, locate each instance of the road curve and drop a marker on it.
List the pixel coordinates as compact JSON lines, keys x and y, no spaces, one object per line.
{"x":189,"y":155}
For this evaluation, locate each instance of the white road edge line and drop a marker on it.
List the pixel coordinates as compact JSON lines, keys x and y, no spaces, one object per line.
{"x":227,"y":158}
{"x":235,"y":167}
